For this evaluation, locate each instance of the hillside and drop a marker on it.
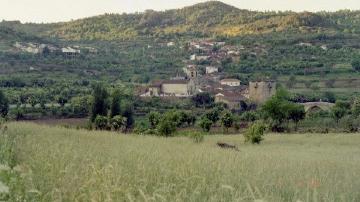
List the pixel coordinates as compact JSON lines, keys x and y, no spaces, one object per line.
{"x":204,"y":19}
{"x":212,"y":18}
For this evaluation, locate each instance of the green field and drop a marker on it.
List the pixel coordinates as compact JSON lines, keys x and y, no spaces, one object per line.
{"x":58,"y":164}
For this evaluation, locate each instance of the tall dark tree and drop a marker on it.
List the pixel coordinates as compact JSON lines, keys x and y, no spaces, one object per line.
{"x":99,"y":105}
{"x":128,"y":113}
{"x":203,"y":99}
{"x":4,"y":105}
{"x":356,"y":64}
{"x":115,"y":103}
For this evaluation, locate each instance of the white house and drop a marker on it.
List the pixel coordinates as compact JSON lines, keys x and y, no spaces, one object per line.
{"x":230,"y":82}
{"x":170,"y":44}
{"x":211,"y":70}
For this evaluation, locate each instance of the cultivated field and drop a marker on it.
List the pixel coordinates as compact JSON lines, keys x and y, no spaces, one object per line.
{"x":60,"y":164}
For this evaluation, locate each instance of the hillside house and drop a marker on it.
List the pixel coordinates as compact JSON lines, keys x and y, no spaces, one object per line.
{"x":199,"y":58}
{"x":171,"y":88}
{"x":230,"y":82}
{"x":70,"y":52}
{"x":232,"y":100}
{"x":170,"y":44}
{"x":211,"y":70}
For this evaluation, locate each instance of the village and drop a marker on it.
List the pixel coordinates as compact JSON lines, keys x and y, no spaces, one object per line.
{"x":199,"y":78}
{"x":69,"y":52}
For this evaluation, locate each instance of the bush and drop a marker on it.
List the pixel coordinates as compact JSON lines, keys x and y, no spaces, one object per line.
{"x":249,"y":116}
{"x":205,"y":124}
{"x":154,"y":119}
{"x":356,"y":64}
{"x":117,"y":122}
{"x":197,"y":137}
{"x":4,"y":105}
{"x":227,"y":120}
{"x":166,"y":127}
{"x":254,"y":133}
{"x":349,"y":124}
{"x":101,"y":122}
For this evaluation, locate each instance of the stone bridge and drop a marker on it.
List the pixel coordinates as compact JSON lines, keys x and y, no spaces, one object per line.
{"x":315,"y":106}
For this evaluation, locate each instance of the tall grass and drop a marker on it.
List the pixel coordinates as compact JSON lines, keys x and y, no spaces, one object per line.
{"x":60,"y":164}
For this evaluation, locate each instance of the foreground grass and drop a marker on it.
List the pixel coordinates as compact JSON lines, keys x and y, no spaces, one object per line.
{"x":68,"y":165}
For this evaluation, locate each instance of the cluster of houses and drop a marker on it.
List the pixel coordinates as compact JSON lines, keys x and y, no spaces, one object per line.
{"x":36,"y":48}
{"x":209,"y":78}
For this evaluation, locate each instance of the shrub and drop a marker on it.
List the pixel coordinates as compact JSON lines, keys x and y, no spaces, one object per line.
{"x":4,"y":104}
{"x":356,"y":107}
{"x":101,"y":122}
{"x":99,"y":104}
{"x":214,"y":115}
{"x":140,"y":128}
{"x":227,"y":120}
{"x":115,"y":103}
{"x":197,"y":137}
{"x":330,"y":83}
{"x":205,"y":124}
{"x":356,"y":64}
{"x":349,"y":124}
{"x":166,"y":127}
{"x":254,"y":133}
{"x":154,"y":119}
{"x":249,"y":116}
{"x":117,"y":122}
{"x":203,"y":100}
{"x":340,"y":110}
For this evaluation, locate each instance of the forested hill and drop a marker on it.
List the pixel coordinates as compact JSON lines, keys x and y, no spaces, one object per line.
{"x":204,"y":19}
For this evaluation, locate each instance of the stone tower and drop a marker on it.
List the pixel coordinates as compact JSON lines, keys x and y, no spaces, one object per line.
{"x":260,"y":92}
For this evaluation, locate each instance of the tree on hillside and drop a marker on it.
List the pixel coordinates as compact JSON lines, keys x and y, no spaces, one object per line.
{"x":154,"y":119}
{"x":356,"y":64}
{"x":227,"y":120}
{"x":99,"y":105}
{"x":296,"y":113}
{"x":166,"y":126}
{"x":61,"y":100}
{"x":214,"y":114}
{"x":356,"y":107}
{"x":117,"y":122}
{"x":340,"y":109}
{"x":279,"y":109}
{"x":115,"y":103}
{"x":203,"y":100}
{"x":205,"y":124}
{"x":255,"y":133}
{"x":128,"y":113}
{"x":4,"y":105}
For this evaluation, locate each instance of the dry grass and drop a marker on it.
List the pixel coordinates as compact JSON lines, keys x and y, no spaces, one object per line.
{"x":69,"y":165}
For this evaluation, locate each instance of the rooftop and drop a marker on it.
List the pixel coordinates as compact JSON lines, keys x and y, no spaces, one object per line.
{"x":230,"y":80}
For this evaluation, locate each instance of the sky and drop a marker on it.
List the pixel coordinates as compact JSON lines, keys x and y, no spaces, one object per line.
{"x":64,"y":10}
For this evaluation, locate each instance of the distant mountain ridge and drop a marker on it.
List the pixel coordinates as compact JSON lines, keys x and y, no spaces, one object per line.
{"x":203,"y":19}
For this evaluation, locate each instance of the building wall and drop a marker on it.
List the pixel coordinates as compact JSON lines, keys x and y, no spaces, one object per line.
{"x":210,"y":70}
{"x":260,"y":92}
{"x":231,"y":105}
{"x":231,"y":83}
{"x":177,"y":89}
{"x":154,"y":91}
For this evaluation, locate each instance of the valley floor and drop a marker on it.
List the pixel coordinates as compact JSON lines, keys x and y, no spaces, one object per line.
{"x":58,"y":164}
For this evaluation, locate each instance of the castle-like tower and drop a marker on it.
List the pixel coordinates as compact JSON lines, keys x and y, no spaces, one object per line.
{"x":260,"y":92}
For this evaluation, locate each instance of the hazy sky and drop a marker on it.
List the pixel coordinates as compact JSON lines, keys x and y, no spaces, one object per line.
{"x":64,"y":10}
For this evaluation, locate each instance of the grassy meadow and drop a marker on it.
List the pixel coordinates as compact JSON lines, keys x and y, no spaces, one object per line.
{"x":58,"y":164}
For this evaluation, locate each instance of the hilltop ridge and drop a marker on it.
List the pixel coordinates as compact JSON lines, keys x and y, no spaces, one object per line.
{"x":199,"y":20}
